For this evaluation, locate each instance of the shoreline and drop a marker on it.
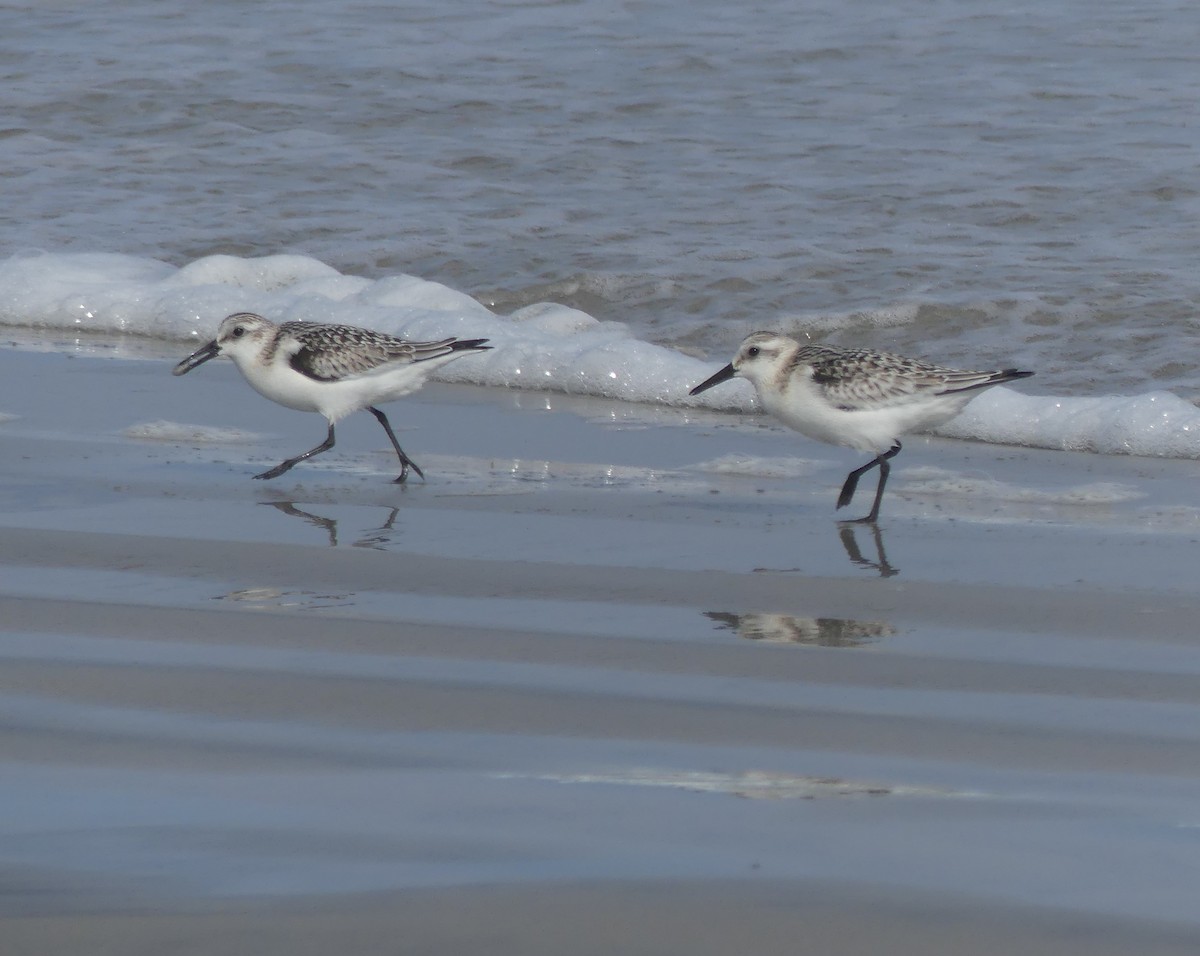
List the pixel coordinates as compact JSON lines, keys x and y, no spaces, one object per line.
{"x":703,"y":918}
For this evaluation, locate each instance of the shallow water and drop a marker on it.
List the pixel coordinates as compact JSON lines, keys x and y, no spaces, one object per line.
{"x":613,"y":658}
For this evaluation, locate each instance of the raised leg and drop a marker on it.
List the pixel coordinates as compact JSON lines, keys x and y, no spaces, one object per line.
{"x":851,"y":483}
{"x":405,"y":461}
{"x":281,"y":468}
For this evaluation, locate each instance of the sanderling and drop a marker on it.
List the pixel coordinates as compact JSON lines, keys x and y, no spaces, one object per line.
{"x":859,"y":398}
{"x":331,"y":369}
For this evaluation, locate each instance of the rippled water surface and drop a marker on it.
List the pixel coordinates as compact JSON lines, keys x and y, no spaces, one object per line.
{"x":1014,"y":182}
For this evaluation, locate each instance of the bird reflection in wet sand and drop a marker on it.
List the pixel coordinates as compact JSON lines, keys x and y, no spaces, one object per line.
{"x":813,"y":631}
{"x":846,"y":531}
{"x":376,"y":538}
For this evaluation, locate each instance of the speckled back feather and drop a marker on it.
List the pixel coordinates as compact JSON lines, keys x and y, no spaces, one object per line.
{"x":331,"y":352}
{"x":853,"y":379}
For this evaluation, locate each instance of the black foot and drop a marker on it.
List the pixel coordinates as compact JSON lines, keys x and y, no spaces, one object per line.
{"x":848,"y":490}
{"x":274,"y":472}
{"x":869,"y":519}
{"x":405,"y":465}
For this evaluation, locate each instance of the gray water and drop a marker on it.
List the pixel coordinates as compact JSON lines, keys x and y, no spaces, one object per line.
{"x":963,"y":180}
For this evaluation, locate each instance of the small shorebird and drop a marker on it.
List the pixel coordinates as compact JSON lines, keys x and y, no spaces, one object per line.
{"x":331,"y":369}
{"x":858,"y":398}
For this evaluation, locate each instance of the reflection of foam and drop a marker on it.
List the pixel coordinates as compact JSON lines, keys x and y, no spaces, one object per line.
{"x":931,"y":480}
{"x":814,"y":631}
{"x":261,"y":599}
{"x":757,"y":784}
{"x":191,"y":434}
{"x":758,"y":467}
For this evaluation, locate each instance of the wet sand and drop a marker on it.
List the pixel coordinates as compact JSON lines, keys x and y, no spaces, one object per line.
{"x":611,"y":680}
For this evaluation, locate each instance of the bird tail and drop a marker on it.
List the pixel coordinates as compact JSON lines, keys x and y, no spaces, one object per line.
{"x":986,"y":380}
{"x":444,"y":348}
{"x":469,"y":345}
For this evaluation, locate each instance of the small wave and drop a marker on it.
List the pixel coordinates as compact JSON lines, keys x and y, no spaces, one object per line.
{"x":543,"y":346}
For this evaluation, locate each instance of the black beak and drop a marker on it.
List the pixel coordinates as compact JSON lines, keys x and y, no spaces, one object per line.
{"x":198,"y":357}
{"x":724,"y":375}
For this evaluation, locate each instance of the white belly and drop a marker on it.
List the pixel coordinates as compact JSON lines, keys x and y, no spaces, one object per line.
{"x":872,"y":430}
{"x":282,"y":384}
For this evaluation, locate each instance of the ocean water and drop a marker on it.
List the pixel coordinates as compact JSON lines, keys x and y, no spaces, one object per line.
{"x":616,"y":192}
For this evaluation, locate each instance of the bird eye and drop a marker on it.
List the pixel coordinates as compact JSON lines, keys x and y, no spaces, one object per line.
{"x":238,"y":331}
{"x":753,"y":351}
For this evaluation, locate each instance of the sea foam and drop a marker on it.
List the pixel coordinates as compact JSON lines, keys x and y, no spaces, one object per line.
{"x":545,"y":346}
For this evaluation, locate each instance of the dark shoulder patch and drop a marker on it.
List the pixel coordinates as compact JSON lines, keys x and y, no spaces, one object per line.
{"x":823,"y":374}
{"x":827,"y":369}
{"x":306,"y":362}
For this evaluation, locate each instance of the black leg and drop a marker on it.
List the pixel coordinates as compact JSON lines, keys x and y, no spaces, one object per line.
{"x":405,"y":461}
{"x":281,"y":468}
{"x":851,"y":484}
{"x":850,"y":543}
{"x":328,"y":524}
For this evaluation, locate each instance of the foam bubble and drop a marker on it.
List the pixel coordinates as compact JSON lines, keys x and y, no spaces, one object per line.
{"x":1158,"y":424}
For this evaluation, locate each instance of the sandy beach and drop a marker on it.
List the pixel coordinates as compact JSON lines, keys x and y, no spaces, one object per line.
{"x":611,"y":680}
